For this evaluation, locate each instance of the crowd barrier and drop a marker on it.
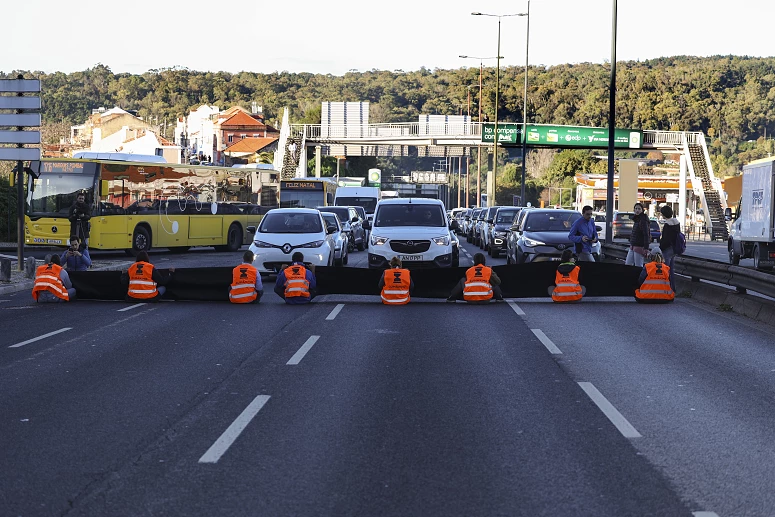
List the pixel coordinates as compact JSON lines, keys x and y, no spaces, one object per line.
{"x":518,"y":281}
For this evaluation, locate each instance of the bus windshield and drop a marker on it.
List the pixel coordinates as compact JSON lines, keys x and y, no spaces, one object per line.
{"x":52,"y":195}
{"x":301,"y":198}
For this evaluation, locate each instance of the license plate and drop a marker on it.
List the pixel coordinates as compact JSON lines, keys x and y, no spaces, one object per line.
{"x":409,"y":258}
{"x":555,"y":259}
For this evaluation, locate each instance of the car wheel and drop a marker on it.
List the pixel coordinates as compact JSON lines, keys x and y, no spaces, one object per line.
{"x":346,"y":259}
{"x":141,"y":241}
{"x":734,"y":258}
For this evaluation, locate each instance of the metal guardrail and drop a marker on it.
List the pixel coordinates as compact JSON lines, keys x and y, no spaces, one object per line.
{"x":407,"y":129}
{"x":741,"y":278}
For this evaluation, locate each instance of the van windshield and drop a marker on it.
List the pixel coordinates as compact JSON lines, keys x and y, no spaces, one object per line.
{"x":368,"y":203}
{"x":410,"y":215}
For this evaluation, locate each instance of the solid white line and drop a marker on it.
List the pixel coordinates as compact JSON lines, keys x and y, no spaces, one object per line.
{"x":131,"y":307}
{"x":298,"y":356}
{"x":608,"y":409}
{"x":44,"y":336}
{"x":705,"y":514}
{"x":546,"y":341}
{"x":516,"y":308}
{"x":334,"y":312}
{"x":228,"y":437}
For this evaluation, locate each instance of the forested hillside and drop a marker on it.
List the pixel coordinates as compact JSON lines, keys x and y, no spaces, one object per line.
{"x":731,"y":99}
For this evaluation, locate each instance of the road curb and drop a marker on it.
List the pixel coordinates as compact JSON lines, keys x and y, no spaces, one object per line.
{"x":750,"y":306}
{"x":26,"y":285}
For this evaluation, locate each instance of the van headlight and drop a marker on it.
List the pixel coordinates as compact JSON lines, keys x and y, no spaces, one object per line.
{"x":376,"y":240}
{"x":442,"y":241}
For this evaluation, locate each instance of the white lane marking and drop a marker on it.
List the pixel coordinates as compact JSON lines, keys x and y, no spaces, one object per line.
{"x":298,"y":356}
{"x":608,"y":409}
{"x":232,"y":432}
{"x":131,"y":307}
{"x":705,"y":514}
{"x":516,"y":308}
{"x":334,"y":312}
{"x":546,"y":341}
{"x":44,"y":336}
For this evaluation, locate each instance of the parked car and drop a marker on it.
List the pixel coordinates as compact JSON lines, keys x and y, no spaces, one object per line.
{"x":472,"y":224}
{"x":352,"y":225}
{"x":489,"y":219}
{"x":622,"y":225}
{"x":364,"y":217}
{"x":656,"y":231}
{"x":414,"y":229}
{"x":341,"y":255}
{"x":285,"y":230}
{"x":543,"y":235}
{"x":498,"y":231}
{"x":478,"y":224}
{"x":599,"y":218}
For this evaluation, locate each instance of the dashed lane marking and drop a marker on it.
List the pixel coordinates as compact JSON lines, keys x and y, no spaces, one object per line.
{"x":135,"y":306}
{"x":705,"y":514}
{"x":608,"y":409}
{"x":334,"y":312}
{"x":546,"y":341}
{"x":231,"y":433}
{"x":298,"y":356}
{"x":516,"y":308}
{"x":44,"y":336}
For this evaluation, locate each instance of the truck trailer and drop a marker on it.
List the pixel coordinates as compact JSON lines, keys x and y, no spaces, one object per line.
{"x":753,"y":229}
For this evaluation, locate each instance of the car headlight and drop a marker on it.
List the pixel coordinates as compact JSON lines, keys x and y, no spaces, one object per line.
{"x":377,"y":240}
{"x":262,"y":244}
{"x":533,"y":243}
{"x":442,"y":241}
{"x":313,"y":244}
{"x":500,"y":234}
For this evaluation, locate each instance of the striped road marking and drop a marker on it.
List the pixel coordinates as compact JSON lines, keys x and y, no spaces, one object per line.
{"x":546,"y":341}
{"x":228,"y":437}
{"x":135,"y":306}
{"x":516,"y":308}
{"x":608,"y":409}
{"x":44,"y":336}
{"x":298,"y":356}
{"x":334,"y":312}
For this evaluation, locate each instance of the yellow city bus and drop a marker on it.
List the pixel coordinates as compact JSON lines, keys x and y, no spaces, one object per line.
{"x":136,"y":206}
{"x":307,"y":192}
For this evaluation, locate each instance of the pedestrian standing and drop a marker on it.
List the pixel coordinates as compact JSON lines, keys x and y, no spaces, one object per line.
{"x":79,"y":216}
{"x":667,"y":242}
{"x":583,"y":233}
{"x":639,"y":238}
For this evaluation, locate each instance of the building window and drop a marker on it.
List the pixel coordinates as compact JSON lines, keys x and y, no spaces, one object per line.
{"x":243,"y":136}
{"x":231,"y":138}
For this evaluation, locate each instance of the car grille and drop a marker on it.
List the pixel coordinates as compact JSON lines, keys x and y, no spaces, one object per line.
{"x":410,"y":246}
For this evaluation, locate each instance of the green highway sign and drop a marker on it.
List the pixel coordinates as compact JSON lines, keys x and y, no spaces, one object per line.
{"x":508,"y":133}
{"x":563,"y":136}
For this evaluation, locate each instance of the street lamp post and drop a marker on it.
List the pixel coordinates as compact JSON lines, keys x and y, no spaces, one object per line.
{"x":524,"y":108}
{"x":491,"y":179}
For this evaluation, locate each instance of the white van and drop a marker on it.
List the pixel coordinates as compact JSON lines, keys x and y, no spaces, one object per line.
{"x":367,"y":197}
{"x":414,"y":229}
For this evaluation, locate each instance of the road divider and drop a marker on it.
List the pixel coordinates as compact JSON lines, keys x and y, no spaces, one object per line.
{"x":232,"y":432}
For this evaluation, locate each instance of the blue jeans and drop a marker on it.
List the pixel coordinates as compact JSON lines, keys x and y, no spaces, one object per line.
{"x":669,"y":257}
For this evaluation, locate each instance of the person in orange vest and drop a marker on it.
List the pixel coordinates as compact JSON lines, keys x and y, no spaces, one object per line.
{"x":655,"y":282}
{"x":396,"y":284}
{"x":52,"y":283}
{"x":144,"y":282}
{"x":566,"y":281}
{"x":246,"y":286}
{"x":296,"y":284}
{"x":480,"y":285}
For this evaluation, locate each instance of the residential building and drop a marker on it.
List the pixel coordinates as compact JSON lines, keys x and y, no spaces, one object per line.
{"x":195,"y":133}
{"x":249,"y":150}
{"x":102,"y":124}
{"x":236,"y":124}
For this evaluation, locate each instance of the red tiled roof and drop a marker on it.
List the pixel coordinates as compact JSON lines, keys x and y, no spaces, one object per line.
{"x":250,"y":145}
{"x":241,"y":119}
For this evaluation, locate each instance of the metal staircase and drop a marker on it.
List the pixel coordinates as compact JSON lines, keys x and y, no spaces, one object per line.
{"x":711,"y":193}
{"x":292,"y":156}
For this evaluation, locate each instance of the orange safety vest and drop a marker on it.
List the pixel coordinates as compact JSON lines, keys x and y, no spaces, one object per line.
{"x":657,"y":283}
{"x":47,"y":279}
{"x":567,"y":287}
{"x":477,"y":287}
{"x":396,"y":289}
{"x":141,"y":284}
{"x":243,"y":284}
{"x":296,"y":281}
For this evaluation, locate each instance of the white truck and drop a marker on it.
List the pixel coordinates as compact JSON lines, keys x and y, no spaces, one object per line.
{"x":753,"y":230}
{"x":367,"y":197}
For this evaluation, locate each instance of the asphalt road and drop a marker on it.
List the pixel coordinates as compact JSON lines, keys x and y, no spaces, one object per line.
{"x":182,"y":408}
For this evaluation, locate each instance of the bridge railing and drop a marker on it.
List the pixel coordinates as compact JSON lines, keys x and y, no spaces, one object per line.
{"x":675,"y":138}
{"x":404,"y":129}
{"x":741,"y":278}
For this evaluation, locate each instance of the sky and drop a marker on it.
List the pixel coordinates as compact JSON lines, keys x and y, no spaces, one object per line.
{"x":335,"y":36}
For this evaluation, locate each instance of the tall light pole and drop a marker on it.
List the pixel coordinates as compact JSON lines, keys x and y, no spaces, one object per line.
{"x":491,"y":178}
{"x":479,"y":148}
{"x":609,"y":204}
{"x":524,"y":107}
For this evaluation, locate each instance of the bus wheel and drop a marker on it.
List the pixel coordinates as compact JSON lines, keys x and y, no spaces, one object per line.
{"x":233,"y":238}
{"x":141,"y":241}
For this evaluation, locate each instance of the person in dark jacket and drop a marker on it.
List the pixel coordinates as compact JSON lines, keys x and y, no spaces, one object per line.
{"x":76,"y":258}
{"x":79,"y":216}
{"x":159,"y":278}
{"x":670,"y":231}
{"x":639,"y":238}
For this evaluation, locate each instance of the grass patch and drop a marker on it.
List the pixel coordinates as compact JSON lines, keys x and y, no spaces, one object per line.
{"x":724,"y":307}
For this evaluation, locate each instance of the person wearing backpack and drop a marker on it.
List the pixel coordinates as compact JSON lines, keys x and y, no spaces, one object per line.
{"x":672,"y":242}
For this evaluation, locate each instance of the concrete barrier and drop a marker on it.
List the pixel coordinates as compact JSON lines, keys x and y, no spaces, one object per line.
{"x":30,"y":264}
{"x":5,"y":270}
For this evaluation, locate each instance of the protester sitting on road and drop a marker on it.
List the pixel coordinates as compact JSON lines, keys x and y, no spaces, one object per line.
{"x":144,"y":282}
{"x":396,"y":284}
{"x":296,"y":284}
{"x":654,"y":281}
{"x":480,"y":285}
{"x":246,"y":286}
{"x":567,"y":287}
{"x":76,"y":258}
{"x":584,"y":233}
{"x":52,"y":283}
